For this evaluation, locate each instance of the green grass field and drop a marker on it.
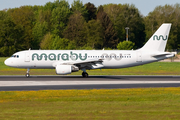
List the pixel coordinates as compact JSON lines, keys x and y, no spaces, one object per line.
{"x":110,"y":104}
{"x":113,"y":104}
{"x":157,"y":68}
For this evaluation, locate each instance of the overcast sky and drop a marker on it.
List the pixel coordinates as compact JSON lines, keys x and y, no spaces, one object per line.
{"x":144,"y":6}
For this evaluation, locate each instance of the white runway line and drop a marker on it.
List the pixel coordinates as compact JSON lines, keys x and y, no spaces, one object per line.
{"x":41,"y":83}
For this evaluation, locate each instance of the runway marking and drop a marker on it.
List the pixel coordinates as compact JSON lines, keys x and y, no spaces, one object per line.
{"x":42,"y":83}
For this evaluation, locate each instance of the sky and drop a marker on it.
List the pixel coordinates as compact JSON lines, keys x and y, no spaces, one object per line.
{"x":144,"y":6}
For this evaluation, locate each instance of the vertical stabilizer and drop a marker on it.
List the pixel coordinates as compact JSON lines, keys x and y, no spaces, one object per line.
{"x":159,"y":39}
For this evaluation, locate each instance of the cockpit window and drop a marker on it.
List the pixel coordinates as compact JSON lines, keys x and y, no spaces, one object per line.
{"x":15,"y":56}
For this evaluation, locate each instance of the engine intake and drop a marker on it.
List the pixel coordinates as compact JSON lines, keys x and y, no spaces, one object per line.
{"x":63,"y":69}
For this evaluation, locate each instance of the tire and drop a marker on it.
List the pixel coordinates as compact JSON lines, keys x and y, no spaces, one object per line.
{"x":27,"y":75}
{"x":85,"y":74}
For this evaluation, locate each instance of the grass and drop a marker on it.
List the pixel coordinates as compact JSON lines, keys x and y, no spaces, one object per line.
{"x":128,"y":104}
{"x":124,"y":104}
{"x":157,"y":68}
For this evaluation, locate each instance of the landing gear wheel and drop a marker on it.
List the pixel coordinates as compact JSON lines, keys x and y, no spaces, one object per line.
{"x":27,"y":75}
{"x":85,"y":74}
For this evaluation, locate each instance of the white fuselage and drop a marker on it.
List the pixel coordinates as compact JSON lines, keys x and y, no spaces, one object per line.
{"x":44,"y":59}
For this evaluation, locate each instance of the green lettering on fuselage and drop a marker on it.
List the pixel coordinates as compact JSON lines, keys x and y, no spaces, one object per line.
{"x":59,"y":56}
{"x":65,"y":57}
{"x":52,"y":56}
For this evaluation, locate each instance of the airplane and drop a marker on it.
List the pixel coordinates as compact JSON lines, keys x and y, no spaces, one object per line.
{"x":67,"y":61}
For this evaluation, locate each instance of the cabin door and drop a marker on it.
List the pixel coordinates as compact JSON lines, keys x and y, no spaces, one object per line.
{"x":27,"y":57}
{"x":139,"y":57}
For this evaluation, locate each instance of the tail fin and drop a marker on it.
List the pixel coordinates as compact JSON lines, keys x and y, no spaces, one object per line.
{"x":159,"y":40}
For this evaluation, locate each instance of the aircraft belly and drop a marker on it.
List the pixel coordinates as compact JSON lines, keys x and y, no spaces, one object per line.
{"x":44,"y":65}
{"x":119,"y":64}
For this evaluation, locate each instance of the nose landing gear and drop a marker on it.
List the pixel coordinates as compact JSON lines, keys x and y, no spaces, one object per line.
{"x":27,"y":74}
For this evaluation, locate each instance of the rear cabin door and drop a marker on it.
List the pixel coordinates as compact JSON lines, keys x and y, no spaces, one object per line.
{"x":139,"y":57}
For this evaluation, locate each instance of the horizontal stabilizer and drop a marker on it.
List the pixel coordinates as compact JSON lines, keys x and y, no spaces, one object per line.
{"x":163,"y":55}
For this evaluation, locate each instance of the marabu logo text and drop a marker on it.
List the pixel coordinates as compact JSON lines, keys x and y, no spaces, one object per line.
{"x":60,"y":56}
{"x":159,"y":37}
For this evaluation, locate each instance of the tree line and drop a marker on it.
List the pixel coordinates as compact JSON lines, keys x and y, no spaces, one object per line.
{"x":57,"y":25}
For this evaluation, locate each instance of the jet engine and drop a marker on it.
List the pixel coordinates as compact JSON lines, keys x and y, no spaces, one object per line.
{"x":63,"y":69}
{"x":66,"y":69}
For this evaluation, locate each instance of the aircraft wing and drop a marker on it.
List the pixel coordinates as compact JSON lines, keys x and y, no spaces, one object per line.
{"x":88,"y":61}
{"x":88,"y":64}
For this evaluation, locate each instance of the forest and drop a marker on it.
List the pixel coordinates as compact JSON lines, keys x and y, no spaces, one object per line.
{"x":60,"y":26}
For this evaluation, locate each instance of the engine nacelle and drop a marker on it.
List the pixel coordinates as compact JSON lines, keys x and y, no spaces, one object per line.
{"x":63,"y":69}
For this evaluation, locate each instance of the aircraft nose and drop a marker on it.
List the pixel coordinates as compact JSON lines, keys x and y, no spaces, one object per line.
{"x":8,"y":62}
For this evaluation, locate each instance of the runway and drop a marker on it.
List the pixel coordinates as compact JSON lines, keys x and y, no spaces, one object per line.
{"x":19,"y":83}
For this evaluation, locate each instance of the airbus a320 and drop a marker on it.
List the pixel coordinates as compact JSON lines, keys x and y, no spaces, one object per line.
{"x":68,"y":61}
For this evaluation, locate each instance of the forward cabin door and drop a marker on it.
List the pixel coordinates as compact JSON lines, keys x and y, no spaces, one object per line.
{"x":27,"y":57}
{"x":139,"y":57}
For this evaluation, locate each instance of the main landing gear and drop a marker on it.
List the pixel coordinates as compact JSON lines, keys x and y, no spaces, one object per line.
{"x":27,"y":74}
{"x":85,"y":74}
